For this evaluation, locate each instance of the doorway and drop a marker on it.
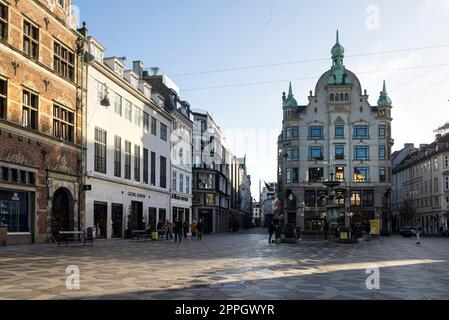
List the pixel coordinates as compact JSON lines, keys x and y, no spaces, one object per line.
{"x":100,"y":219}
{"x":117,"y":221}
{"x":62,"y":212}
{"x":137,"y":216}
{"x":206,"y":216}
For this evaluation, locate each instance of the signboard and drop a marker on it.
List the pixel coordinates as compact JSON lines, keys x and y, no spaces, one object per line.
{"x":375,"y":227}
{"x":87,"y":187}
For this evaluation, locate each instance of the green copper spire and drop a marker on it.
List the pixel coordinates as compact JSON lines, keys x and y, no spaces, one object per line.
{"x":290,"y":101}
{"x":338,"y":75}
{"x":384,"y":99}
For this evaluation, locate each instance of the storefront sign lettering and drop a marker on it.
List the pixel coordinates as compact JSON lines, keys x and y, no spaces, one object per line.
{"x":136,"y":195}
{"x":21,"y":139}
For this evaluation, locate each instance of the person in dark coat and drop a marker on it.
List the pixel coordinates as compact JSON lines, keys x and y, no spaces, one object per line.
{"x":325,"y":229}
{"x":185,"y":227}
{"x":178,"y":231}
{"x":368,"y":230}
{"x":271,"y":230}
{"x":200,"y":228}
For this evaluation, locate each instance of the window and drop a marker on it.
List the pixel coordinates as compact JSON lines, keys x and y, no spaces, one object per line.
{"x":3,"y":22}
{"x":339,"y":152}
{"x":153,"y":126}
{"x":181,"y":183}
{"x":382,"y":131}
{"x":295,"y":177}
{"x":332,"y":98}
{"x":175,"y":181}
{"x":118,"y":105}
{"x":187,"y":185}
{"x":361,"y":174}
{"x":153,"y":168}
{"x":64,"y":61}
{"x":346,"y":97}
{"x":316,"y":153}
{"x":436,"y":184}
{"x":382,"y":174}
{"x":137,"y":163}
{"x":206,"y":181}
{"x":127,"y":160}
{"x":316,"y":133}
{"x":289,"y":154}
{"x":163,"y":173}
{"x":209,"y":199}
{"x":163,"y":132}
{"x":138,"y":116}
{"x":30,"y":39}
{"x":295,"y":154}
{"x":3,"y":98}
{"x":340,"y":174}
{"x":289,"y":175}
{"x":382,"y":155}
{"x":288,"y":133}
{"x":63,"y":123}
{"x":361,"y":153}
{"x":61,"y":3}
{"x":99,"y":91}
{"x":446,"y":161}
{"x":446,"y":183}
{"x":100,"y":150}
{"x":30,"y":110}
{"x":316,"y":174}
{"x":356,"y":198}
{"x":128,"y":111}
{"x":339,"y":132}
{"x":368,"y":198}
{"x":361,"y":132}
{"x":117,"y":156}
{"x":145,"y":166}
{"x":295,"y":132}
{"x":146,"y":121}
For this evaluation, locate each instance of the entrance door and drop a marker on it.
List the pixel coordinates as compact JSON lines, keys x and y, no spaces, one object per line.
{"x":137,"y":216}
{"x":62,"y":217}
{"x":100,"y":219}
{"x":206,"y":216}
{"x":152,"y":214}
{"x":117,"y":220}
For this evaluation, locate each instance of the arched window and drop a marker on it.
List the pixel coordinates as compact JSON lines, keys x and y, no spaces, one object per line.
{"x":336,"y":97}
{"x":346,"y":97}
{"x":332,"y":97}
{"x":342,"y":98}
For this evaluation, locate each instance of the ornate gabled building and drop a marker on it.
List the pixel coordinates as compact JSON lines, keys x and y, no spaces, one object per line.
{"x":336,"y":135}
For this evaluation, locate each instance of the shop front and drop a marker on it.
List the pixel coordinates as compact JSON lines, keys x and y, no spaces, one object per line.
{"x":16,"y":214}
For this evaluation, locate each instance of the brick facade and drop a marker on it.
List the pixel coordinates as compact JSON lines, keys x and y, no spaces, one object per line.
{"x":55,"y":162}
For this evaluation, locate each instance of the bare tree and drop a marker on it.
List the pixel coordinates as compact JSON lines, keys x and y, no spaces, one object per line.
{"x":407,"y":211}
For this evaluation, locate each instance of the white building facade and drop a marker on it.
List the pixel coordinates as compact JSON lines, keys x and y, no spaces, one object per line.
{"x":128,"y":150}
{"x":337,"y":135}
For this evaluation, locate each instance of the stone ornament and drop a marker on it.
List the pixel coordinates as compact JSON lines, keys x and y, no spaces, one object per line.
{"x":62,"y":166}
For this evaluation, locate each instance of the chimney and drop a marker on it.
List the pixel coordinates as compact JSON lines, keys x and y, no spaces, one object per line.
{"x":138,"y":68}
{"x":438,"y":137}
{"x":409,"y":146}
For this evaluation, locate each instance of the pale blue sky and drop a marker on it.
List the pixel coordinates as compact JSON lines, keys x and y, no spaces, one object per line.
{"x":187,"y":36}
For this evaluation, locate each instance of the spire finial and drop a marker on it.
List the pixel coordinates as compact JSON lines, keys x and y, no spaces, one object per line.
{"x":338,"y":37}
{"x":385,"y":87}
{"x":290,"y":90}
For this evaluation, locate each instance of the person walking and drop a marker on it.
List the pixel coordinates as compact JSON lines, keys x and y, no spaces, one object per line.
{"x":271,"y":230}
{"x":178,"y":231}
{"x":355,"y":231}
{"x":418,"y":230}
{"x":325,"y":229}
{"x":193,"y":228}
{"x":200,"y":228}
{"x":169,"y":231}
{"x":185,"y":228}
{"x":160,"y":227}
{"x":368,"y":230}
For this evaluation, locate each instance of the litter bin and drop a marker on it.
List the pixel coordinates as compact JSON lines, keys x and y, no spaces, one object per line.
{"x":154,"y":235}
{"x":345,"y":235}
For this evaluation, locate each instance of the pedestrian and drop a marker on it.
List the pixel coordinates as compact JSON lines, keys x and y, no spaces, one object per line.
{"x":325,"y":229}
{"x":178,"y":231}
{"x":185,"y":227}
{"x":355,"y":231}
{"x":200,"y":228}
{"x":160,"y":227}
{"x":368,"y":230}
{"x":418,"y":231}
{"x":271,"y":230}
{"x":169,"y":231}
{"x":193,"y":229}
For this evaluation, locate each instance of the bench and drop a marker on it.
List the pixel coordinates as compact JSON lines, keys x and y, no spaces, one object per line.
{"x":85,"y":237}
{"x":137,"y":235}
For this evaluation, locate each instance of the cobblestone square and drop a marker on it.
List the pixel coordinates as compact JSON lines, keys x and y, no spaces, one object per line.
{"x":237,"y":266}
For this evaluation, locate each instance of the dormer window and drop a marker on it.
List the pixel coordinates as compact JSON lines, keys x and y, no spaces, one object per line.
{"x":118,"y":70}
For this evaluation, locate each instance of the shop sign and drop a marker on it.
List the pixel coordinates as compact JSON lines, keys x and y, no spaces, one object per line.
{"x":15,"y":197}
{"x":137,"y":195}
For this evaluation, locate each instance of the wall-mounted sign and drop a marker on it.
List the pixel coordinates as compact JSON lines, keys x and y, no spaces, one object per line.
{"x":137,"y":195}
